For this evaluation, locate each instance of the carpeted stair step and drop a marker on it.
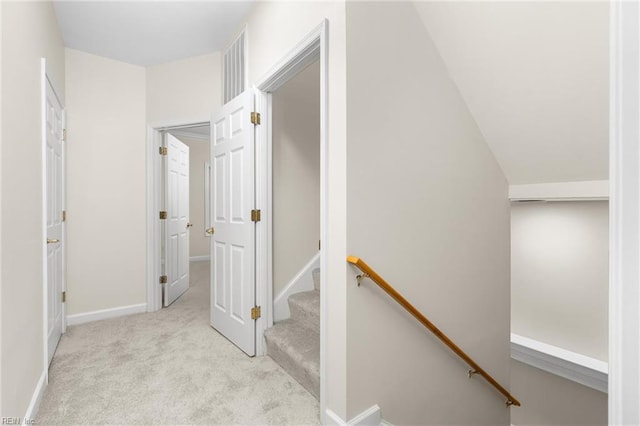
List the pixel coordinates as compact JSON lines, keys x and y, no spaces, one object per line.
{"x":297,"y":349}
{"x":305,"y":308}
{"x":316,"y":278}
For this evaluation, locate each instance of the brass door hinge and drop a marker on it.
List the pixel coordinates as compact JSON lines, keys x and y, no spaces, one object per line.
{"x":64,"y":135}
{"x":64,"y":296}
{"x":255,"y":118}
{"x":64,"y":215}
{"x":255,"y":215}
{"x":163,"y":215}
{"x":163,"y":279}
{"x":255,"y":313}
{"x":163,"y":150}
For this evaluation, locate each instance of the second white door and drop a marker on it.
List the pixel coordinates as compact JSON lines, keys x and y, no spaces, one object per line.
{"x":55,"y":224}
{"x":233,"y":239}
{"x":177,"y":220}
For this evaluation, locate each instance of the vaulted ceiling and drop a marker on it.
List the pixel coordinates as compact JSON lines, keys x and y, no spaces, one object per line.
{"x":535,"y":76}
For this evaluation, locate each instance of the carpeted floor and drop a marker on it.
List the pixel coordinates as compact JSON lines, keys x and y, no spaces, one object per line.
{"x":168,"y":367}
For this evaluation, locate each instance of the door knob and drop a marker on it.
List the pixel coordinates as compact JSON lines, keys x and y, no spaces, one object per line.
{"x":52,"y":241}
{"x":189,"y":225}
{"x":210,"y":231}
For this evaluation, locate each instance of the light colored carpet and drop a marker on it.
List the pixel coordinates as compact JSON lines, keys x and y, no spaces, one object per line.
{"x":168,"y":367}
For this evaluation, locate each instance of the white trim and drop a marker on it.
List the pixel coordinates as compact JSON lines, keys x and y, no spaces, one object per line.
{"x":207,"y":197}
{"x":303,"y":54}
{"x":624,"y":208}
{"x":190,"y":135}
{"x":302,"y":281}
{"x":43,"y":168}
{"x":199,"y":259}
{"x":264,"y":230}
{"x":571,"y":365}
{"x":38,"y":393}
{"x":313,"y":47}
{"x":369,"y":417}
{"x":103,"y":314}
{"x":561,"y":191}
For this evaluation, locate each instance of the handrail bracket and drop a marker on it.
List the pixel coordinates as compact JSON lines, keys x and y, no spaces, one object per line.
{"x":361,"y":277}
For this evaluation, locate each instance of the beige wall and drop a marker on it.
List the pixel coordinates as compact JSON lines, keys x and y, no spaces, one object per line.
{"x":185,"y":90}
{"x":560,"y":274}
{"x":198,"y":156}
{"x":296,"y":175}
{"x":29,"y":31}
{"x":549,"y":400}
{"x":106,"y":183}
{"x":428,"y":209}
{"x":274,"y":28}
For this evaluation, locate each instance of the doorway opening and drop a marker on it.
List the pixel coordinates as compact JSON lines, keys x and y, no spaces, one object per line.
{"x":177,"y":155}
{"x":294,"y":340}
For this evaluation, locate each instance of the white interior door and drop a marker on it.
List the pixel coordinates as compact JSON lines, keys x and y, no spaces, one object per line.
{"x":177,"y":221}
{"x":233,"y":240}
{"x":55,"y":228}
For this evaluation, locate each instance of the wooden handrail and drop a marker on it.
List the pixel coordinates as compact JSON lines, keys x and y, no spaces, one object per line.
{"x":475,"y":368}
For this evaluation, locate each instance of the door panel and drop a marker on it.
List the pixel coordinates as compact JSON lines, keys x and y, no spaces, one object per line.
{"x":55,"y":229}
{"x":177,"y":229}
{"x":233,"y":242}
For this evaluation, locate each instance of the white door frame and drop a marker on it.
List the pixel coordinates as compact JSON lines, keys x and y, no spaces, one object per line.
{"x":44,"y":81}
{"x":624,"y":208}
{"x":154,"y":205}
{"x":312,"y":48}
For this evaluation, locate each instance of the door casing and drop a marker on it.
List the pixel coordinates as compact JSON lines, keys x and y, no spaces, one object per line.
{"x":314,"y":47}
{"x":154,"y":200}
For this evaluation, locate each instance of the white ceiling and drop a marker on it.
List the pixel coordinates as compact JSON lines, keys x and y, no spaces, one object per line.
{"x":535,"y":76}
{"x":149,"y":32}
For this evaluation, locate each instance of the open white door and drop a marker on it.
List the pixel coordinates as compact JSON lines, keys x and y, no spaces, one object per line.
{"x":177,"y":220}
{"x":55,"y":229}
{"x":233,"y":238}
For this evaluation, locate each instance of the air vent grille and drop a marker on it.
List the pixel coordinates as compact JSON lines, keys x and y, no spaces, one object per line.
{"x":233,"y":69}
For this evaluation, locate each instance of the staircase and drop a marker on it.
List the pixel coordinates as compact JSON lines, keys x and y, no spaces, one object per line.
{"x":295,"y":342}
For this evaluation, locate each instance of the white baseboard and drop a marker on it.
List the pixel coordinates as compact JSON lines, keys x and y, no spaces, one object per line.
{"x":198,"y":258}
{"x":561,"y":362}
{"x":106,"y":314}
{"x":38,"y":392}
{"x":302,"y":281}
{"x":369,"y":417}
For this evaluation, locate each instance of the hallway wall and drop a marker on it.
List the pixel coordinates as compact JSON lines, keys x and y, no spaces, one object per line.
{"x":552,"y":400}
{"x":184,"y":90}
{"x":29,"y":32}
{"x":428,"y":210}
{"x":560,"y":274}
{"x":109,"y":103}
{"x":106,"y":190}
{"x":296,"y":175}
